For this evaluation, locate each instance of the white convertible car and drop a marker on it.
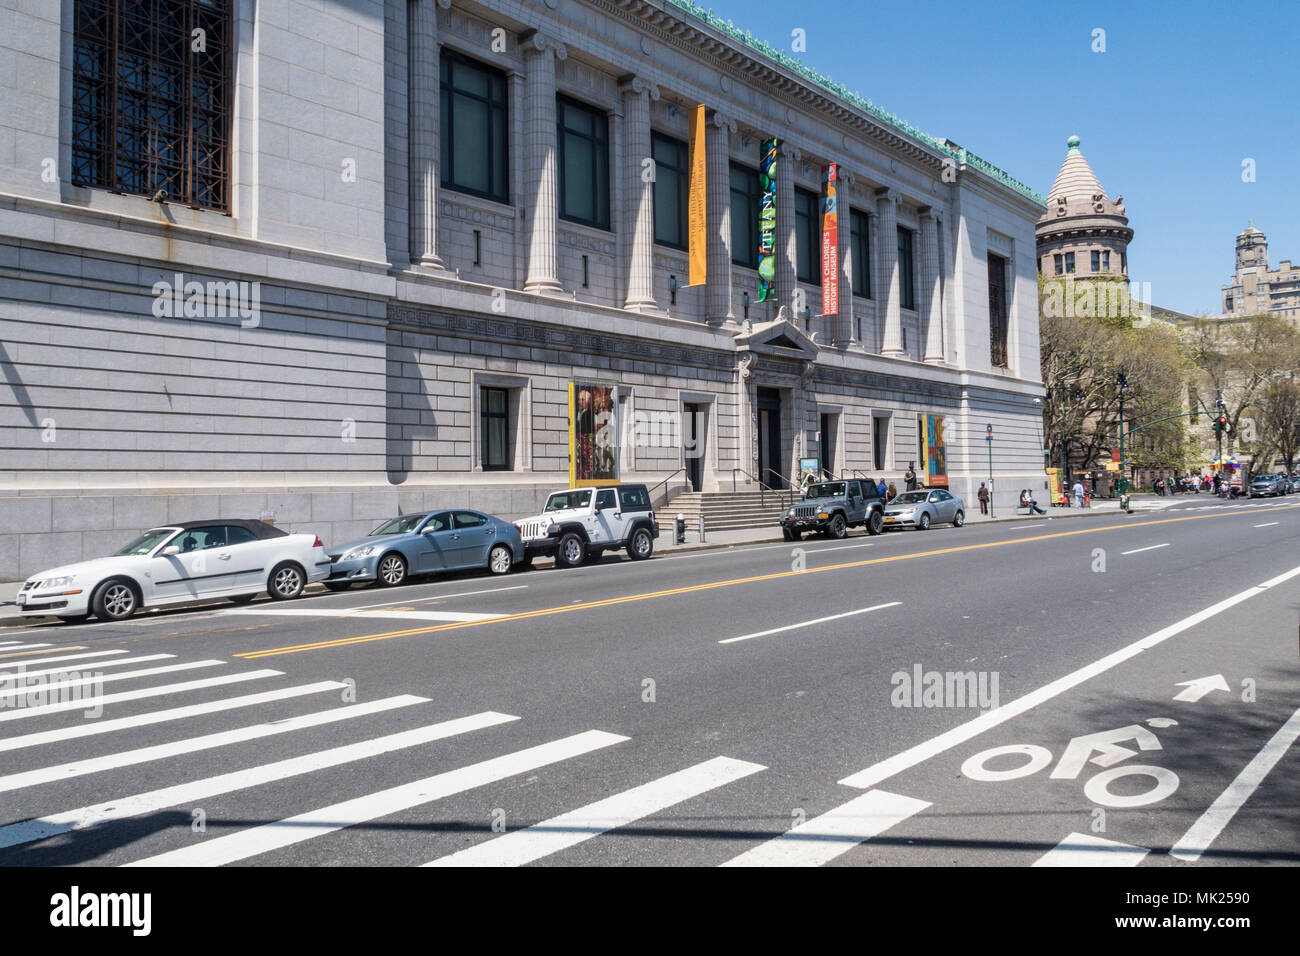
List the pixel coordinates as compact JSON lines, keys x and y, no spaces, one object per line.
{"x":190,"y":561}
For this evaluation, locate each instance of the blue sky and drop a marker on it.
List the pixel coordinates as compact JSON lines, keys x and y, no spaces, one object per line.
{"x":1156,"y":112}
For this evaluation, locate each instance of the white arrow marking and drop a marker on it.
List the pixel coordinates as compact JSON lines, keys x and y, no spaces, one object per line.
{"x":1106,"y":744}
{"x":1196,"y":689}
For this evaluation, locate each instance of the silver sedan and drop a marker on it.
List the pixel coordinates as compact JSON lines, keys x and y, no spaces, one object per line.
{"x":920,"y":509}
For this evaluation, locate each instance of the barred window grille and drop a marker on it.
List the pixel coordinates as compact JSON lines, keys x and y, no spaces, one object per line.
{"x":151,"y":99}
{"x":998,"y":310}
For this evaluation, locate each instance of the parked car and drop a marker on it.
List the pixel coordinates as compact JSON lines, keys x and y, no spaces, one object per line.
{"x":1269,"y":485}
{"x":426,"y":543}
{"x":190,"y":561}
{"x":581,"y":523}
{"x":920,"y":509}
{"x":832,"y":507}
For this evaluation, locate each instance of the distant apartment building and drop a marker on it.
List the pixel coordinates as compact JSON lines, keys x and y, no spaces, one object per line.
{"x":1254,"y":287}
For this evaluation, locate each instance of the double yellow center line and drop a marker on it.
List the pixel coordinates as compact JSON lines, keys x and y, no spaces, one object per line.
{"x":733,"y":582}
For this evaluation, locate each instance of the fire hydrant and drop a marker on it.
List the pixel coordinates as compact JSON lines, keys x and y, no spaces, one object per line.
{"x":679,"y":529}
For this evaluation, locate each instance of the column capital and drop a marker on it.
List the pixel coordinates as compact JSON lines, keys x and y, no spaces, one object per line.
{"x":639,"y":86}
{"x":789,"y":151}
{"x":534,"y":43}
{"x":724,"y":123}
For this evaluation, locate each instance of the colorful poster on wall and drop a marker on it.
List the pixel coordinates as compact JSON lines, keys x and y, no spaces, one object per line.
{"x":697,"y":202}
{"x":830,"y":242}
{"x":935,"y":455}
{"x":767,"y":222}
{"x":593,"y":433}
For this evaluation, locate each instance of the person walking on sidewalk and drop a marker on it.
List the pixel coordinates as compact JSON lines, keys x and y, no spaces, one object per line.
{"x":983,"y":496}
{"x":1078,"y":493}
{"x":882,"y":489}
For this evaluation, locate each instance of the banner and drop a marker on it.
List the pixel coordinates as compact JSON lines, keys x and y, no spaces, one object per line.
{"x":593,"y":434}
{"x":697,"y":202}
{"x":767,"y":222}
{"x":933,"y":452}
{"x":830,"y":243}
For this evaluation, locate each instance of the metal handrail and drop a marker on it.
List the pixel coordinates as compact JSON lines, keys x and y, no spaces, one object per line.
{"x":788,"y":483}
{"x":664,"y":482}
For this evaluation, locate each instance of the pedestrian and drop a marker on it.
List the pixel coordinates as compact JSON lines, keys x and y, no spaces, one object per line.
{"x":910,"y":478}
{"x":882,"y":489}
{"x":1031,"y":504}
{"x":1196,"y":484}
{"x":983,"y":496}
{"x":1157,"y":487}
{"x":893,"y":491}
{"x":1078,"y":493}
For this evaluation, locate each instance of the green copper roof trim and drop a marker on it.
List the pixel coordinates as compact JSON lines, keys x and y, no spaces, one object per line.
{"x":760,"y":46}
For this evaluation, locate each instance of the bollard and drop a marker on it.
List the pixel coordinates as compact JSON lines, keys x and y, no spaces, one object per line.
{"x":702,"y":528}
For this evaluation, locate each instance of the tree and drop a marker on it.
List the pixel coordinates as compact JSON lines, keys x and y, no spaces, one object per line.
{"x":1278,"y":424}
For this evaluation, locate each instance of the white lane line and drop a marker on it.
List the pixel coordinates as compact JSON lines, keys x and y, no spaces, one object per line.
{"x":958,"y":735}
{"x":11,"y":696}
{"x":304,"y":826}
{"x":24,"y":647}
{"x":1220,"y":813}
{"x":569,"y":829}
{"x":91,"y":728}
{"x":453,"y":616}
{"x":1140,"y":550}
{"x":1268,"y":524}
{"x":186,"y":793}
{"x":128,"y":758}
{"x":23,"y":675}
{"x":92,"y":703}
{"x":27,"y":661}
{"x":9,"y":643}
{"x":834,"y":833}
{"x":441,"y":597}
{"x":820,"y":620}
{"x":1084,"y":849}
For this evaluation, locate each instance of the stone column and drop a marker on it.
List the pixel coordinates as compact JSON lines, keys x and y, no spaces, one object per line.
{"x":717,"y":147}
{"x":541,"y":158}
{"x":931,"y":286}
{"x":423,"y":145}
{"x":844,"y":334}
{"x":888,"y":299}
{"x":786,"y":247}
{"x":639,"y":202}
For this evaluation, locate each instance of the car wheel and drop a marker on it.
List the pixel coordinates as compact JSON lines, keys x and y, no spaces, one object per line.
{"x":391,"y":570}
{"x":338,"y":585}
{"x":242,"y":598}
{"x":959,"y":519}
{"x":500,"y":559}
{"x":115,"y":600}
{"x":923,"y":522}
{"x":286,"y":581}
{"x":641,"y":546}
{"x":571,"y":550}
{"x":876,"y":522}
{"x":838,"y":529}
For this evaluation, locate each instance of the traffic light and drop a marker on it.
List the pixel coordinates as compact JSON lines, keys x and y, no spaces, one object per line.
{"x":1221,"y":424}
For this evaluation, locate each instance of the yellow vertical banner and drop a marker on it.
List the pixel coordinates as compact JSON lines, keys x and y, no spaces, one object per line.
{"x":697,"y":202}
{"x":573,"y":442}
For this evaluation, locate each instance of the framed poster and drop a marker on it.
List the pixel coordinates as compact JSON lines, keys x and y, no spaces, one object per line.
{"x":593,"y":433}
{"x":933,"y":453}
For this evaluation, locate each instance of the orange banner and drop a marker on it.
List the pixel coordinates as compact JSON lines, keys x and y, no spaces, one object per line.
{"x":830,"y":243}
{"x":696,"y":205}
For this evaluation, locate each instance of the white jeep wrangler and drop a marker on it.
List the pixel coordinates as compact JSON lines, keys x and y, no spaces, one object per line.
{"x":581,"y":523}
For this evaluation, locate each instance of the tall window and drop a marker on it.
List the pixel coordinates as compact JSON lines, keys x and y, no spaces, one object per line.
{"x":1096,"y":261}
{"x":1060,"y":263}
{"x":998,"y":310}
{"x":149,"y":112}
{"x":670,"y":189}
{"x":475,"y":148}
{"x":494,"y":429}
{"x":744,"y":216}
{"x":906,"y":270}
{"x":584,"y":163}
{"x":807,"y":236}
{"x":1069,"y":262}
{"x":860,"y":243}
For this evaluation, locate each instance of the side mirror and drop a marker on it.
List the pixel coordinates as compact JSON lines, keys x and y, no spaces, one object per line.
{"x":171,"y":550}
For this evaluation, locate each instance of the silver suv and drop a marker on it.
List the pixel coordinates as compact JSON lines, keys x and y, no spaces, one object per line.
{"x":582,"y":523}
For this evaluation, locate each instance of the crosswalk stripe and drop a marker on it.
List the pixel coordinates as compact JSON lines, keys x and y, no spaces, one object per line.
{"x":1083,"y":849}
{"x":450,"y":616}
{"x":25,"y":675}
{"x":26,"y":662}
{"x":127,"y":758}
{"x":570,"y":829}
{"x":6,"y":696}
{"x":304,"y":826}
{"x":835,"y":832}
{"x":186,"y":793}
{"x":22,"y":713}
{"x":92,"y":728}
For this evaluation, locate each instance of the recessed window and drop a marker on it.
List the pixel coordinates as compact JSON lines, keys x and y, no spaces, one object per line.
{"x":475,"y":148}
{"x":670,"y":188}
{"x":744,"y":216}
{"x":906,"y":269}
{"x":583,"y":134}
{"x":1060,"y":264}
{"x":1069,"y":262}
{"x":997,"y":310}
{"x":494,"y":429}
{"x":150,"y":113}
{"x":807,"y":236}
{"x":860,"y":243}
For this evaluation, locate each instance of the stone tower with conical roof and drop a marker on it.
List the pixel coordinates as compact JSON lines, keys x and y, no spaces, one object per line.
{"x":1084,"y":232}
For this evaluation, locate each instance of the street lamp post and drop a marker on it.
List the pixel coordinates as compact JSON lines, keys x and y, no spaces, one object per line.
{"x":1122,"y":381}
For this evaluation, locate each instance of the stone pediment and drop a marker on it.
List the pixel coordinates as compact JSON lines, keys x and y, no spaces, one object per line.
{"x":778,"y":337}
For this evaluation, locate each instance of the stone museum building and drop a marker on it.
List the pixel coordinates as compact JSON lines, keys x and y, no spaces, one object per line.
{"x":1255,"y":288}
{"x":322,"y":261}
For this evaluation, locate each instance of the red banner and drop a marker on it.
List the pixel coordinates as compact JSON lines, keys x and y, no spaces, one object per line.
{"x":830,"y":243}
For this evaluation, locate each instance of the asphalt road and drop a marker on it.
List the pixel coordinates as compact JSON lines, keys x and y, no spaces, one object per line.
{"x":747,"y":706}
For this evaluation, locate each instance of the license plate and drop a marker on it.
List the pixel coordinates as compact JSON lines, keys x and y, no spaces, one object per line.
{"x":22,"y":599}
{"x":889,"y":521}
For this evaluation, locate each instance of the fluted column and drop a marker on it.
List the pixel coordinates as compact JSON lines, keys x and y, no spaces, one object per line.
{"x":541,"y":162}
{"x":423,"y":146}
{"x":786,"y":246}
{"x":717,"y":148}
{"x":892,"y":343}
{"x":931,"y":286}
{"x":844,"y":335}
{"x":640,"y":205}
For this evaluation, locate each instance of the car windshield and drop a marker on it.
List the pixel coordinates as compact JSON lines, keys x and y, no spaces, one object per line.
{"x":826,"y":489}
{"x":564,"y":500}
{"x":147,"y":541}
{"x":910,"y":498}
{"x":402,"y":525}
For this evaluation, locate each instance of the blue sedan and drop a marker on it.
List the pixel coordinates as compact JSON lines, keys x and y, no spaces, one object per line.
{"x":426,"y":543}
